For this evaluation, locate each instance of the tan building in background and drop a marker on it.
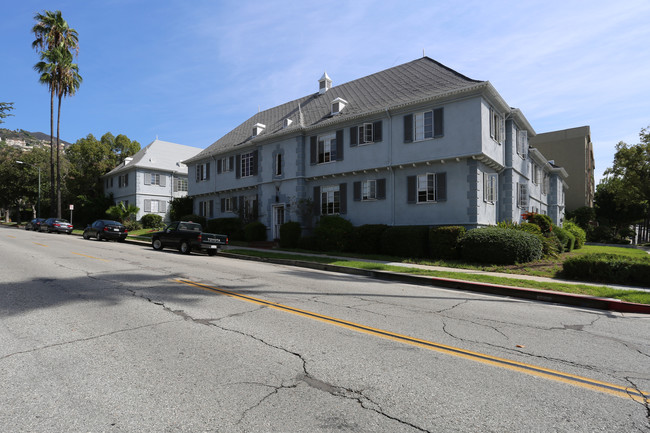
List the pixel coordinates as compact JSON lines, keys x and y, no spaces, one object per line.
{"x":571,"y":149}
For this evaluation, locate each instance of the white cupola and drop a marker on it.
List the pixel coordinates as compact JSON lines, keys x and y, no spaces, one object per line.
{"x":324,"y":84}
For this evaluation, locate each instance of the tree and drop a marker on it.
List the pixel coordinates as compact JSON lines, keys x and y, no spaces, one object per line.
{"x":56,"y":40}
{"x":123,"y":213}
{"x":632,"y":168}
{"x":5,"y":107}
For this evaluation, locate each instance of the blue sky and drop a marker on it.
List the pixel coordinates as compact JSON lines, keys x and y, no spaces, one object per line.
{"x":190,"y":71}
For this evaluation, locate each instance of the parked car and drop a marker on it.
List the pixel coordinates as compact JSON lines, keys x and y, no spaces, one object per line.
{"x":34,"y":224}
{"x":188,"y":236}
{"x":106,"y":229}
{"x":58,"y":225}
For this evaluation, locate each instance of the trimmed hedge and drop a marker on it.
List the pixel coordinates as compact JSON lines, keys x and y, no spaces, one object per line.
{"x":577,"y":232}
{"x":151,"y":221}
{"x":405,"y":241}
{"x":290,"y":234}
{"x":367,"y":238}
{"x":255,"y":231}
{"x":333,"y":233}
{"x":500,"y":246}
{"x":226,"y":226}
{"x":444,"y":241}
{"x":608,"y":268}
{"x":566,"y":238}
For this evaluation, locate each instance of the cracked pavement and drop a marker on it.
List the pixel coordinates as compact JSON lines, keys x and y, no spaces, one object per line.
{"x":118,"y":345}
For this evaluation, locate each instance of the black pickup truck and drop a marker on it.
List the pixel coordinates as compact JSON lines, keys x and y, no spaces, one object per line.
{"x":187,"y":236}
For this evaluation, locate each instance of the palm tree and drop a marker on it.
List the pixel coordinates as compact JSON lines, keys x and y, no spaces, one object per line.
{"x":52,"y":34}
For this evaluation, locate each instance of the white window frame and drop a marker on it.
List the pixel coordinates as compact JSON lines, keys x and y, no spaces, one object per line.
{"x":227,"y":206}
{"x":330,"y":200}
{"x":324,"y":148}
{"x":202,"y":170}
{"x":522,"y":195}
{"x":490,"y":182}
{"x":497,"y":126}
{"x":180,"y":184}
{"x":278,"y":164}
{"x":423,"y":125}
{"x":366,"y":133}
{"x":522,"y":143}
{"x":369,"y":190}
{"x":225,"y":164}
{"x":426,"y":188}
{"x":247,"y":164}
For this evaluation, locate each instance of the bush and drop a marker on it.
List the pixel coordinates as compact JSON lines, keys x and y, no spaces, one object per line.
{"x":582,"y":217}
{"x":443,"y":241}
{"x":406,"y":241}
{"x":551,"y":246}
{"x":194,"y":218}
{"x":567,"y":240}
{"x":290,"y":234}
{"x":180,"y":206}
{"x":577,"y":232}
{"x":500,"y":246}
{"x":544,"y":222}
{"x":254,"y":232}
{"x":132,"y":225}
{"x":608,"y":268}
{"x":151,"y":221}
{"x":231,"y":227}
{"x":601,"y":234}
{"x":367,"y":239}
{"x":333,"y":233}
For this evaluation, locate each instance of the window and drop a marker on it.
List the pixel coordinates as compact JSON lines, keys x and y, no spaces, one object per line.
{"x":330,"y":200}
{"x":369,"y":190}
{"x":522,"y":195}
{"x":111,"y":182}
{"x":154,"y":179}
{"x":490,"y":187}
{"x":366,"y":133}
{"x":522,"y":143}
{"x":206,"y":208}
{"x":258,"y":128}
{"x":338,"y":105}
{"x":225,"y":164}
{"x":423,"y":125}
{"x":155,"y":206}
{"x":278,"y":164}
{"x":326,"y":148}
{"x":497,"y":126}
{"x":123,"y":181}
{"x":226,"y":204}
{"x":180,"y":184}
{"x":545,"y":184}
{"x":427,"y":188}
{"x":202,"y":172}
{"x":247,"y":164}
{"x":535,"y":172}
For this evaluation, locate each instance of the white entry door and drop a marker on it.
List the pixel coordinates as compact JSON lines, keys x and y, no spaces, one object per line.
{"x":278,"y":220}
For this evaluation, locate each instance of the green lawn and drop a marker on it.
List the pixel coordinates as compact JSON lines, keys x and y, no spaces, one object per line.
{"x":637,"y":296}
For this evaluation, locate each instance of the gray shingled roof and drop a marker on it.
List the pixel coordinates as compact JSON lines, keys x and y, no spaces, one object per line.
{"x":409,"y":83}
{"x":159,"y":155}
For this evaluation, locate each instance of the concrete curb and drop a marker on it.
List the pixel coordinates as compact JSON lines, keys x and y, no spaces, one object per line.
{"x":470,"y":286}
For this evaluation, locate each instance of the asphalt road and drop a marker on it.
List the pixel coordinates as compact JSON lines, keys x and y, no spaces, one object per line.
{"x":111,"y":337}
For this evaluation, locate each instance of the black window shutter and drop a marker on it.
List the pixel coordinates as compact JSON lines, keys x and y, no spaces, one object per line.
{"x":240,"y":204}
{"x":441,"y":186}
{"x":198,"y":172}
{"x":223,"y":205}
{"x":377,"y":131}
{"x":218,"y":166}
{"x":207,"y":171}
{"x":438,"y":130}
{"x":381,"y":189}
{"x":254,"y":168}
{"x":411,"y":186}
{"x":238,"y":167}
{"x":356,"y":191}
{"x":354,"y":132}
{"x":232,"y":162}
{"x":211,"y":208}
{"x":317,"y":200}
{"x":313,"y":150}
{"x":339,"y":145}
{"x":343,"y":197}
{"x":126,"y":179}
{"x":408,"y":128}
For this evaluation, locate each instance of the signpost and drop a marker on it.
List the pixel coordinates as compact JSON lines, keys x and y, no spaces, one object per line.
{"x":71,"y":209}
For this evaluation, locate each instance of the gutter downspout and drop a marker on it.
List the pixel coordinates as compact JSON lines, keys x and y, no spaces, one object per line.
{"x":390,"y":164}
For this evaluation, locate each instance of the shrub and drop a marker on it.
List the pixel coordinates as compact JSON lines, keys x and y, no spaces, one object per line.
{"x":333,"y":233}
{"x":577,"y":232}
{"x":608,"y":268}
{"x":500,"y":246}
{"x":151,"y":221}
{"x":180,"y":206}
{"x":231,"y":227}
{"x":443,"y":241}
{"x":290,"y":234}
{"x":255,"y":231}
{"x":194,"y":218}
{"x":601,"y":234}
{"x":367,"y":238}
{"x":544,"y":222}
{"x":582,"y":217}
{"x":566,"y":238}
{"x":405,"y":241}
{"x":132,"y":225}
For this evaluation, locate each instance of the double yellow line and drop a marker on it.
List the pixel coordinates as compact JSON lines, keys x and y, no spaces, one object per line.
{"x":584,"y":382}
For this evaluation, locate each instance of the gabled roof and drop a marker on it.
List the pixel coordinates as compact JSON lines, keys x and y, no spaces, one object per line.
{"x":158,"y":155}
{"x":410,"y":83}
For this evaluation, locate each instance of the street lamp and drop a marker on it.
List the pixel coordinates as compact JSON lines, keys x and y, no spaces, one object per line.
{"x":38,"y":214}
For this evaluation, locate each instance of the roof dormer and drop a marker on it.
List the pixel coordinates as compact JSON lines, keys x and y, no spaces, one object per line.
{"x":324,"y":84}
{"x":338,"y":105}
{"x":287,"y":122}
{"x":258,"y":128}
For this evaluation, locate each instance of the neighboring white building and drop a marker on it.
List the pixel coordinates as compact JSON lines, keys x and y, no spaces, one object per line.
{"x":416,"y":144}
{"x":151,"y":178}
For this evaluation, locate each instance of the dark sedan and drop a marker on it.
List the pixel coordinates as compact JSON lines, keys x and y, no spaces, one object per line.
{"x":34,"y":224}
{"x":57,"y":225}
{"x":106,"y":229}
